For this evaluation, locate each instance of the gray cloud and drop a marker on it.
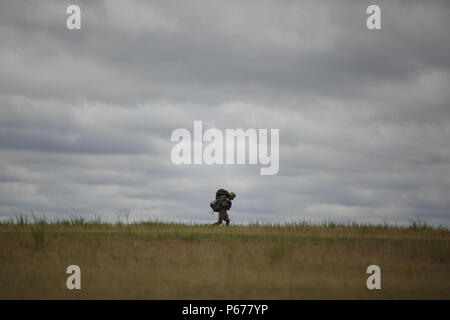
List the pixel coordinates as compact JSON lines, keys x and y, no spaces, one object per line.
{"x":364,"y":116}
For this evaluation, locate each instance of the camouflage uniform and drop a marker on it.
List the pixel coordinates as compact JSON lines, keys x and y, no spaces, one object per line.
{"x":223,"y":216}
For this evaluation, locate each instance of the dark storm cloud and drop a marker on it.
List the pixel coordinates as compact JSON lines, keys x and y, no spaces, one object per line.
{"x":364,"y":116}
{"x":162,"y":49}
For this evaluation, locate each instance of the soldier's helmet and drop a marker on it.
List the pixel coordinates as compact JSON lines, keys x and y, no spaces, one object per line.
{"x":232,"y":195}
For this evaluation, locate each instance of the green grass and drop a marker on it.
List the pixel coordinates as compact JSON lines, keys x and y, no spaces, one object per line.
{"x":157,"y":260}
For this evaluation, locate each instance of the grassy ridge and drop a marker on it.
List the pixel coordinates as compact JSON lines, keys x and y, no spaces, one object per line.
{"x":155,"y":260}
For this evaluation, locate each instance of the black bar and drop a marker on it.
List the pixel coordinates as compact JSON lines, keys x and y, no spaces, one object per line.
{"x":225,"y":309}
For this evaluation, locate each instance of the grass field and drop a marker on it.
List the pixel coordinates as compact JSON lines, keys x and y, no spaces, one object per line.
{"x":152,"y":260}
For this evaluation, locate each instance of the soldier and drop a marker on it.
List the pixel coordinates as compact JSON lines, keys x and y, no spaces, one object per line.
{"x":225,"y":205}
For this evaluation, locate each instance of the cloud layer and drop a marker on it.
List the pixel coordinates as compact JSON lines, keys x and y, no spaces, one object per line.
{"x":364,"y":116}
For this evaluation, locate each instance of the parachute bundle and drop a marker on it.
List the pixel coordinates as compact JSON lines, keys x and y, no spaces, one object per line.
{"x":222,"y":192}
{"x":222,"y":201}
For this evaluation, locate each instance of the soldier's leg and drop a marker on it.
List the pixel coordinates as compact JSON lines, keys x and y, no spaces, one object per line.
{"x":226,"y":218}
{"x":219,"y":222}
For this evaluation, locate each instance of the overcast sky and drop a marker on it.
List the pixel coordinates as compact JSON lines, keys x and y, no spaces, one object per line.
{"x":364,"y":115}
